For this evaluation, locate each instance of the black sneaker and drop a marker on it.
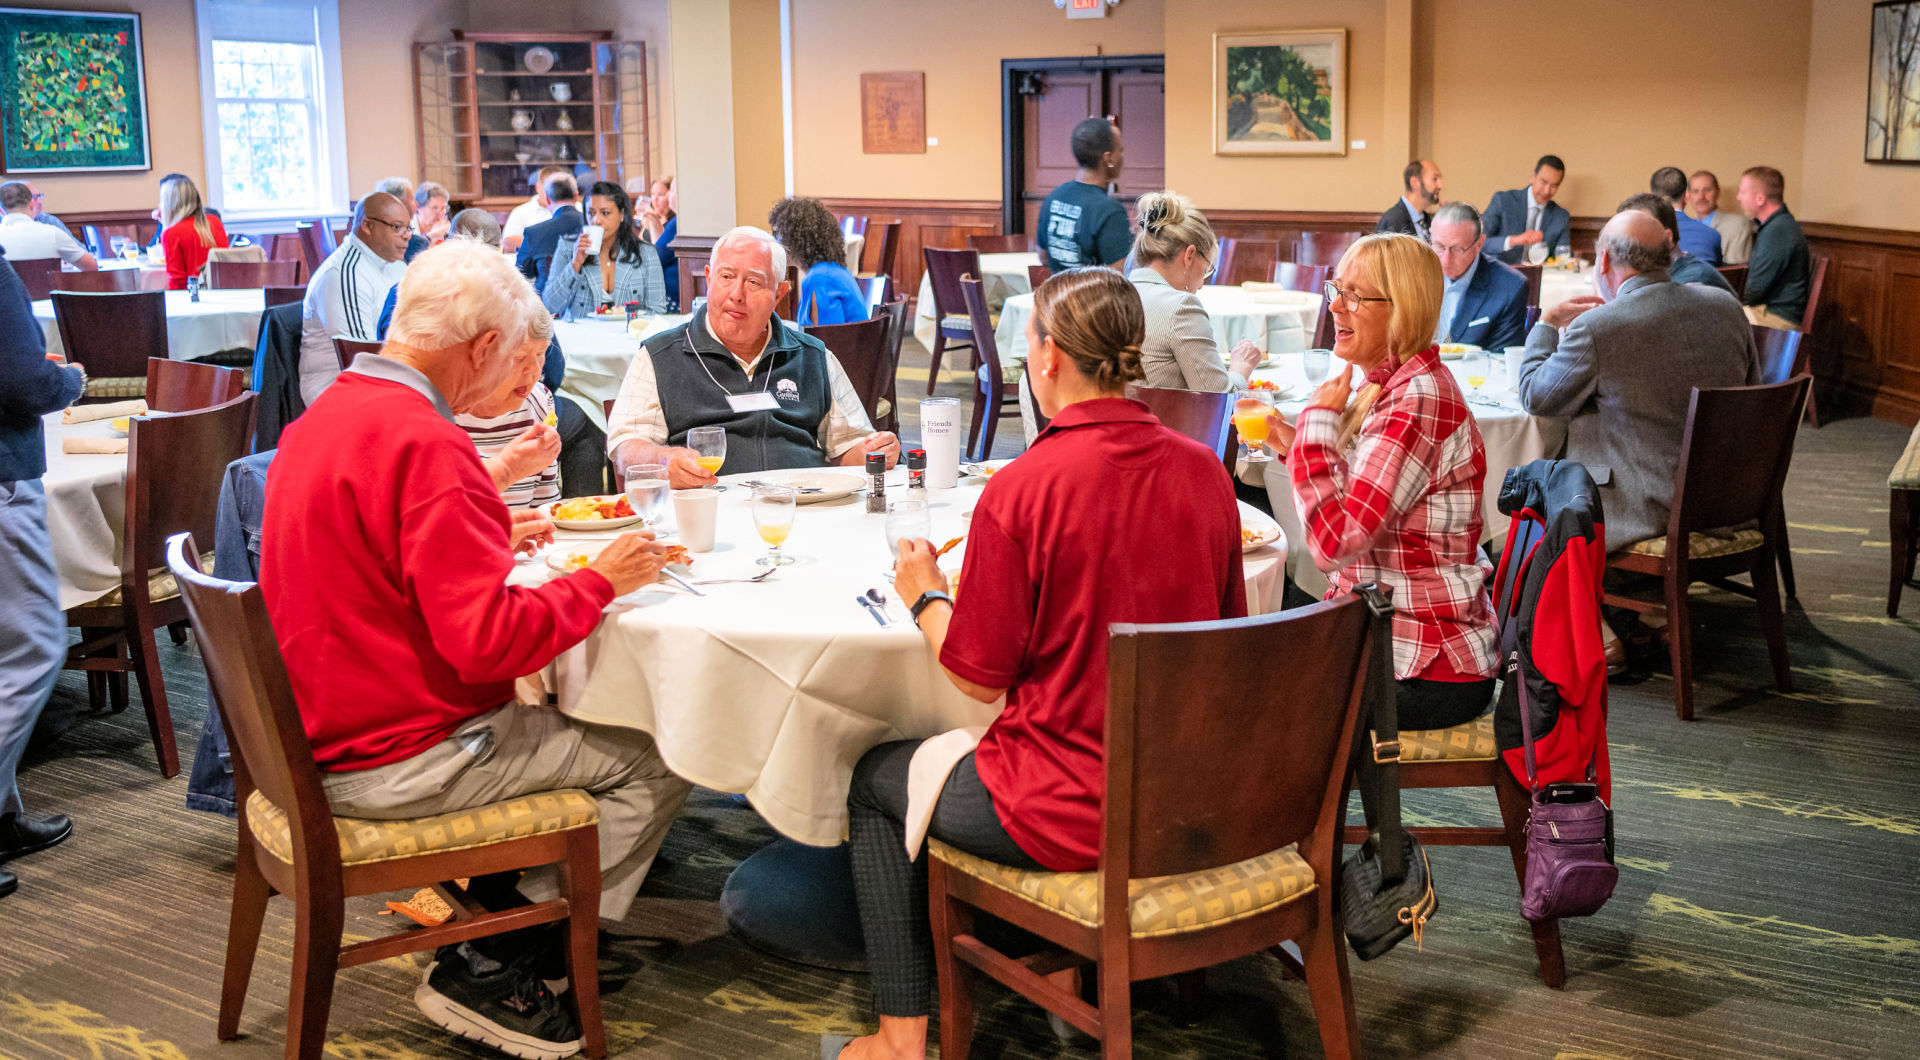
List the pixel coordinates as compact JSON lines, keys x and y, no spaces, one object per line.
{"x":507,"y":1007}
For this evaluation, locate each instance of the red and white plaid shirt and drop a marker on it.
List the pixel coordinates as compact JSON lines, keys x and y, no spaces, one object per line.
{"x":1404,"y":511}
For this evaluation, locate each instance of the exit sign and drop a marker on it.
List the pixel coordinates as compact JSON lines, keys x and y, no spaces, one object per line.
{"x":1086,"y":8}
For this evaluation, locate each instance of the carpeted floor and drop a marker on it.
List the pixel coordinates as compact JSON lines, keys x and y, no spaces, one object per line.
{"x":1766,"y":906}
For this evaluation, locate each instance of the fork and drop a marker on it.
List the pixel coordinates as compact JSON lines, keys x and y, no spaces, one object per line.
{"x":762,"y":576}
{"x":796,"y":489}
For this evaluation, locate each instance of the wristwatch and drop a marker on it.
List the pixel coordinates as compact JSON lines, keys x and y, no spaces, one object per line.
{"x":926,"y":598}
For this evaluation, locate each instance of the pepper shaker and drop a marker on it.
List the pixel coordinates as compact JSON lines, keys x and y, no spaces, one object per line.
{"x":916,"y":469}
{"x":876,"y":483}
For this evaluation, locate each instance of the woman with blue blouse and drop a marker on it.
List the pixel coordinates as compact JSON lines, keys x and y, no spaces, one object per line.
{"x":828,"y":292}
{"x":627,"y":269}
{"x":662,"y":225}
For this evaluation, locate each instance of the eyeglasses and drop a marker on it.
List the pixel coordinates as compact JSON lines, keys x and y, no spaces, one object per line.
{"x":1442,"y":248}
{"x":1347,"y":299}
{"x":397,"y":226}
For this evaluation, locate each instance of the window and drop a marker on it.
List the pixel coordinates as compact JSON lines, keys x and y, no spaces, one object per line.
{"x":270,"y":97}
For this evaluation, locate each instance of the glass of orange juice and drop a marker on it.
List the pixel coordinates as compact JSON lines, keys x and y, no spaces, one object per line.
{"x":773,"y":508}
{"x":1250,"y":419}
{"x":709,"y":445}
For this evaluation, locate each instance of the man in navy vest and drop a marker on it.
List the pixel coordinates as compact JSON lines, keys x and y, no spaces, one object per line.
{"x":784,"y":400}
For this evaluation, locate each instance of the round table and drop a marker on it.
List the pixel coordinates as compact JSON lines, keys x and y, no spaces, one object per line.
{"x":1275,"y":321}
{"x":1512,"y":438}
{"x":220,"y":320}
{"x":598,"y":353}
{"x":1003,"y":276}
{"x":86,"y":511}
{"x":1557,"y":285}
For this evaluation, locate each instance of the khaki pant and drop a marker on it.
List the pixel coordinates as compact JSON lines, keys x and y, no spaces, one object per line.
{"x":518,"y":750}
{"x":1764,"y":317}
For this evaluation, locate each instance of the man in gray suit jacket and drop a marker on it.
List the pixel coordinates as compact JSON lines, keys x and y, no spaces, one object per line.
{"x":1622,"y":365}
{"x":1520,"y":217}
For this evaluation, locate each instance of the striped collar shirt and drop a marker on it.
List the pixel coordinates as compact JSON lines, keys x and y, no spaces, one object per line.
{"x":491,"y":434}
{"x":344,"y":299}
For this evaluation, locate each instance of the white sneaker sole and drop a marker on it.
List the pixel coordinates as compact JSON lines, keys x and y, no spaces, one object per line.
{"x":464,"y":1022}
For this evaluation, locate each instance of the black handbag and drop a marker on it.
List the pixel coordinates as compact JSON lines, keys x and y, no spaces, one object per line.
{"x":1386,"y":887}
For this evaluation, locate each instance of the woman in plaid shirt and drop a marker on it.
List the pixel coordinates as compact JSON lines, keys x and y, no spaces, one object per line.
{"x":1388,"y":487}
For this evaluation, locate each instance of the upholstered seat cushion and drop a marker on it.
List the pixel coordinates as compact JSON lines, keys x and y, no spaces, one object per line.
{"x":1906,"y":470}
{"x":964,"y":321}
{"x":1703,"y":544}
{"x":118,"y":387}
{"x":1471,"y":742}
{"x":160,"y":585}
{"x":1158,"y":905}
{"x":364,"y":841}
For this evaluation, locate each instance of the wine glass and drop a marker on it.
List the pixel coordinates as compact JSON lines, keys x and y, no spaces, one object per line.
{"x":1537,"y":253}
{"x":647,"y":490}
{"x":907,"y":517}
{"x":1473,"y":365}
{"x":117,"y":244}
{"x":1564,"y":254}
{"x":773,"y":508}
{"x":1315,"y":364}
{"x":1250,"y":419}
{"x":709,"y":445}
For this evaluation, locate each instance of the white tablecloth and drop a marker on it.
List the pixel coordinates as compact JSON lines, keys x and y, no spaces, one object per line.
{"x":1511,"y":436}
{"x":1005,"y":275}
{"x":1276,"y":321}
{"x":776,"y":689}
{"x":598,"y":353}
{"x":1557,"y":285}
{"x":220,"y":320}
{"x":86,"y":511}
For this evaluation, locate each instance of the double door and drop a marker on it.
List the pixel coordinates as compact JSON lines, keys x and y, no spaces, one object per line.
{"x":1048,"y":97}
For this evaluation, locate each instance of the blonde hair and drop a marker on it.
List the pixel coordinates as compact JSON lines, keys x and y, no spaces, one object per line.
{"x":1093,"y":315}
{"x":1408,"y":272}
{"x":1169,"y":224}
{"x":180,"y":200}
{"x":460,"y":290}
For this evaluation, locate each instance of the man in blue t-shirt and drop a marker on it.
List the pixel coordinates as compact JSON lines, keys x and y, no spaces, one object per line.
{"x":1080,"y":224}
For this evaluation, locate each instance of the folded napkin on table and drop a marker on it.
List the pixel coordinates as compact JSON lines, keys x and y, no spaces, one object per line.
{"x":93,"y":445}
{"x":1260,"y":285}
{"x":108,"y":411}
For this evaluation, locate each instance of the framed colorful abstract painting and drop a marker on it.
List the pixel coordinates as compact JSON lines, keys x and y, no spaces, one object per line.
{"x":73,"y":92}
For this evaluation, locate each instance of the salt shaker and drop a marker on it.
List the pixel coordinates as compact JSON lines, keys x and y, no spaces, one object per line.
{"x":876,"y":483}
{"x":916,"y":469}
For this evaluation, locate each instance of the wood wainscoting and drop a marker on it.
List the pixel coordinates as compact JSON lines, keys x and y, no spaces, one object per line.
{"x":923,"y":223}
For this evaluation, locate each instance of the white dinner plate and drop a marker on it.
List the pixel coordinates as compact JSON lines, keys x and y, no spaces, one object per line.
{"x":1453,"y":351}
{"x":1268,"y":530}
{"x":591,"y":524}
{"x":832,"y":486}
{"x":557,"y":558}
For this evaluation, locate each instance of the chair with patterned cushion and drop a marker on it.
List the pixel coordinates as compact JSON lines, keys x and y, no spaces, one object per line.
{"x":996,"y":383}
{"x":1903,"y":519}
{"x":290,"y":843}
{"x":1186,"y":879}
{"x":864,"y":354}
{"x":1733,"y":464}
{"x":175,"y":464}
{"x":113,"y":335}
{"x":954,"y":325}
{"x":107,"y":281}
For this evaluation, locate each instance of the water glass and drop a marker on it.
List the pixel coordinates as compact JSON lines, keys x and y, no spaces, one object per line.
{"x":907,"y":517}
{"x":647,"y":490}
{"x":1315,"y":364}
{"x":773,"y":508}
{"x":1537,"y":253}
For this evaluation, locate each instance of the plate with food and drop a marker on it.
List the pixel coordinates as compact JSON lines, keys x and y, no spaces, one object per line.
{"x":568,"y":560}
{"x":120,"y":425}
{"x":593,"y":513}
{"x":820,"y":486}
{"x":1453,"y":350}
{"x":1279,"y":391}
{"x":1257,"y":533}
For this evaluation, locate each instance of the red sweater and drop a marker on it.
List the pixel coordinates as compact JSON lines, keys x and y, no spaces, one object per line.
{"x":185,"y":251}
{"x":385,"y":572}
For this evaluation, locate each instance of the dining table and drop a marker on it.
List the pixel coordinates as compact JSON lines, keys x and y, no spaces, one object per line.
{"x":221,"y":320}
{"x":1001,"y":276}
{"x":1274,"y":320}
{"x":1558,"y":284}
{"x":598,"y":352}
{"x":86,"y":510}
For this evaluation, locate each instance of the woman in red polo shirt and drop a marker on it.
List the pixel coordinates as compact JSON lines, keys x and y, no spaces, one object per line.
{"x":1109,"y":517}
{"x":187,"y":231}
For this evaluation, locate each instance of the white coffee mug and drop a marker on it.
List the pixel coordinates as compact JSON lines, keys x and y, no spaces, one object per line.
{"x":594,"y":235}
{"x":1515,"y":356}
{"x":696,"y":511}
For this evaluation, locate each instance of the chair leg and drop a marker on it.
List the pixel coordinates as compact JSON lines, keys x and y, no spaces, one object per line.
{"x":933,"y":364}
{"x":1783,"y":550}
{"x":97,"y":681}
{"x":117,"y":691}
{"x":986,"y":421}
{"x":1116,"y":1011}
{"x":1191,"y":1007}
{"x":1766,"y":593}
{"x":1680,"y":642}
{"x":153,"y":692}
{"x":582,"y":880}
{"x":1900,"y":505}
{"x":177,"y":632}
{"x":950,"y":918}
{"x":1323,"y":952}
{"x":1514,"y":806}
{"x":250,"y":894}
{"x":316,"y":959}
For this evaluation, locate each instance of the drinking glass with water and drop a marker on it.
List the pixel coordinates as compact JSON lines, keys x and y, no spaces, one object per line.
{"x":647,"y":490}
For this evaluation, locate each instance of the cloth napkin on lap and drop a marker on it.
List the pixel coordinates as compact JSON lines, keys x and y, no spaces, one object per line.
{"x":93,"y":445}
{"x":108,"y":411}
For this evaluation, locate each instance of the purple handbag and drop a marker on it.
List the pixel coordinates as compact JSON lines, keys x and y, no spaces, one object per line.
{"x":1570,"y":869}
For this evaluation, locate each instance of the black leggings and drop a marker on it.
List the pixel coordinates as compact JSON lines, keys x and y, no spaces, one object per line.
{"x":1424,"y":704}
{"x":892,"y":890}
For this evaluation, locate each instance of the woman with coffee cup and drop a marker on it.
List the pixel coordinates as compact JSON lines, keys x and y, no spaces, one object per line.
{"x":624,"y":268}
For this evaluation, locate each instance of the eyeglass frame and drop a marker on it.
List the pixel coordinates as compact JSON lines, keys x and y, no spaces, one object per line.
{"x":1330,"y":290}
{"x":398,"y":227}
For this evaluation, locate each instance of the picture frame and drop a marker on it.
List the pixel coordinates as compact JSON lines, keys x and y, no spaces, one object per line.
{"x":1280,"y":92}
{"x":893,"y":113}
{"x":1893,"y":84}
{"x":73,"y":92}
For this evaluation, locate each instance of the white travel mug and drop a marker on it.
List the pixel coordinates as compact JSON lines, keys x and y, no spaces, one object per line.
{"x":695,"y":512}
{"x":940,"y":437}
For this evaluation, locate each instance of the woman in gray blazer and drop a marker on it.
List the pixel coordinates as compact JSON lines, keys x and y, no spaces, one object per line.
{"x":627,"y":268}
{"x":1174,"y":255}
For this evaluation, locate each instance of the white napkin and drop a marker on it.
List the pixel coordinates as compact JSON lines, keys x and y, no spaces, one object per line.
{"x":927,"y":774}
{"x":97,"y":446}
{"x":108,"y":411}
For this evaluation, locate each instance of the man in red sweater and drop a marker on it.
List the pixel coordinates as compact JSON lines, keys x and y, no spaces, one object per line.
{"x":387,"y":549}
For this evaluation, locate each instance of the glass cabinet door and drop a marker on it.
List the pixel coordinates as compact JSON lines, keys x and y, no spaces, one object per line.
{"x":620,"y":109}
{"x":449,"y":148}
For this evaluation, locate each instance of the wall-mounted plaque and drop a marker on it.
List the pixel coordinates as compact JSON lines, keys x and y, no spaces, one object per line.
{"x":893,"y":114}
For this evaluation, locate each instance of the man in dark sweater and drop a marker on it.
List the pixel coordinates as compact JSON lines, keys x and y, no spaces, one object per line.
{"x":33,"y":639}
{"x":1780,"y":272}
{"x":1080,"y":224}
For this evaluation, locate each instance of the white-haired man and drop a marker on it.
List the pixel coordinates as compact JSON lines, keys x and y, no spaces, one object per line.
{"x":783,"y":399}
{"x":387,"y":550}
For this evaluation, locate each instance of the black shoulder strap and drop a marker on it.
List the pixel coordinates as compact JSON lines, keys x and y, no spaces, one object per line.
{"x":1380,"y":756}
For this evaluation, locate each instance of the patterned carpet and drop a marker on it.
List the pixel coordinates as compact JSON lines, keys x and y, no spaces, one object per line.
{"x":1765,"y":908}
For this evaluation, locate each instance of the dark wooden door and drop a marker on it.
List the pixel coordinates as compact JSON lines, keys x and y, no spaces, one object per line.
{"x":1133,"y":96}
{"x":1138,"y":102}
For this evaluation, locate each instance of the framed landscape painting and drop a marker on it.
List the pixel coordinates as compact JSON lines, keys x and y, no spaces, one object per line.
{"x":1280,"y":93}
{"x":73,"y":92}
{"x":1893,"y":83}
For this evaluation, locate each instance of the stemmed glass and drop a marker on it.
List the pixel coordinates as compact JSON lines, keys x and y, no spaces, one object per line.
{"x":1563,"y":253}
{"x":907,"y":517}
{"x":1315,"y":364}
{"x":1250,"y":419}
{"x":773,"y":508}
{"x":647,"y":490}
{"x":709,"y":445}
{"x":1473,"y":365}
{"x":1537,"y":253}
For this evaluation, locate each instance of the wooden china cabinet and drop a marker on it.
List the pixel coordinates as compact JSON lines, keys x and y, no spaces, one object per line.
{"x":492,"y":108}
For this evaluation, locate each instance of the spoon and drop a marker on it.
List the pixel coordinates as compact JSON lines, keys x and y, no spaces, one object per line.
{"x":878,"y":599}
{"x":763,"y":575}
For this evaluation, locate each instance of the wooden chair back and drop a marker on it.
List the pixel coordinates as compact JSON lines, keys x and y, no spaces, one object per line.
{"x":175,"y":465}
{"x":1734,"y":455}
{"x":878,"y":291}
{"x":104,"y":281}
{"x":1249,"y":260}
{"x":1783,"y":354}
{"x":99,"y":238}
{"x":899,"y":323}
{"x":788,"y":307}
{"x":186,"y":386}
{"x":1322,"y":248}
{"x":280,"y":294}
{"x":987,"y":244}
{"x":1736,"y":277}
{"x":865,"y":354}
{"x":348,"y":349}
{"x":1531,"y":273}
{"x":240,"y":275}
{"x":853,"y":226}
{"x":316,"y":243}
{"x":285,"y":246}
{"x":112,"y":334}
{"x":883,"y":246}
{"x":1176,"y":739}
{"x":989,"y":385}
{"x":1813,"y":293}
{"x":944,"y":270}
{"x":1037,"y":275}
{"x":951,"y":237}
{"x":1533,"y":316}
{"x":38,"y":274}
{"x":1204,"y":416}
{"x":1323,"y":329}
{"x":1296,"y":277}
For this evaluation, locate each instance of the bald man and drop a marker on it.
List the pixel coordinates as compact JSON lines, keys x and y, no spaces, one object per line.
{"x":1622,"y":364}
{"x":346,"y":292}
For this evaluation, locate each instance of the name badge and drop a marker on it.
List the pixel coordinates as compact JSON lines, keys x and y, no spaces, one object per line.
{"x":757,"y":401}
{"x":1479,"y":322}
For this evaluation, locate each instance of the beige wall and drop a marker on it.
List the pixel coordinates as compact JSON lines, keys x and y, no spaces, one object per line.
{"x":959,"y":47}
{"x":1836,"y":184}
{"x":759,"y":152}
{"x":703,"y":116}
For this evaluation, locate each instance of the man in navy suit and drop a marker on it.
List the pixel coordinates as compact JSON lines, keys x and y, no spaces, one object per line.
{"x":1483,"y":302}
{"x":1421,"y":193}
{"x":1519,"y":218}
{"x":537,"y":247}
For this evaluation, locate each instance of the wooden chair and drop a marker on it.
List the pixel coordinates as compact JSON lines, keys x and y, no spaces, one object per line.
{"x":1531,"y":273}
{"x":1203,"y":416}
{"x":240,"y":275}
{"x":1037,"y":275}
{"x":1295,"y":277}
{"x":348,"y":349}
{"x":290,"y":843}
{"x":877,"y":289}
{"x":316,"y":243}
{"x":277,"y":294}
{"x":38,"y":274}
{"x":174,"y":468}
{"x":99,"y":238}
{"x":788,"y":307}
{"x":899,"y":316}
{"x":951,"y":237}
{"x":152,"y":279}
{"x":1245,"y":260}
{"x":1736,"y":277}
{"x":883,"y":246}
{"x":1533,"y":317}
{"x":999,"y":244}
{"x":1806,"y":327}
{"x":1733,"y":462}
{"x":1323,"y":329}
{"x":954,"y":325}
{"x":1903,"y":520}
{"x":114,"y":335}
{"x":1187,"y":877}
{"x":864,"y":353}
{"x":105,"y":281}
{"x":1322,"y":248}
{"x":186,"y":386}
{"x":1783,"y":355}
{"x":285,"y":246}
{"x":853,"y":226}
{"x":996,"y":389}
